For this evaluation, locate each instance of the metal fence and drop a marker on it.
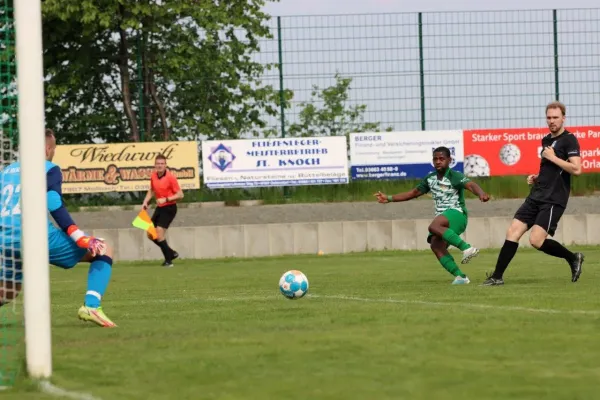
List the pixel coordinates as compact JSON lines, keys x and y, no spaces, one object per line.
{"x":449,"y":70}
{"x":8,"y":89}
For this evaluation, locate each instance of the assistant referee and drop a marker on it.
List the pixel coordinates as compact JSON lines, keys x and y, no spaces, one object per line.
{"x":163,"y":186}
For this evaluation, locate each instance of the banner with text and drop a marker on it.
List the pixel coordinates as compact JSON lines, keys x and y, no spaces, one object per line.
{"x":401,"y":155}
{"x":497,"y":152}
{"x":275,"y":162}
{"x":124,"y":167}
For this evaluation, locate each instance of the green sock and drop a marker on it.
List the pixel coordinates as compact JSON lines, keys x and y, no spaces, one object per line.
{"x":451,"y":237}
{"x":450,"y":265}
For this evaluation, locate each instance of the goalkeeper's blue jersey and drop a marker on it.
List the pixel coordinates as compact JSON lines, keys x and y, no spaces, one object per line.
{"x":10,"y":203}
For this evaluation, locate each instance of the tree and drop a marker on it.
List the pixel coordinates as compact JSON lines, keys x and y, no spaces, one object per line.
{"x":180,"y":68}
{"x":335,"y":117}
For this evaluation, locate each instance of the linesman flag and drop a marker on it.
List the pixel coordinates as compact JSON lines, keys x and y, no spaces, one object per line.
{"x":143,"y":222}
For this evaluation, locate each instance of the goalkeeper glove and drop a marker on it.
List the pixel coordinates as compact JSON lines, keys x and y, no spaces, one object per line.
{"x":95,"y":246}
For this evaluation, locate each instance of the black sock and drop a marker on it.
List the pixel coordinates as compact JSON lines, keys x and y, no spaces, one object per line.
{"x":171,"y":251}
{"x":553,"y":248}
{"x":508,"y":251}
{"x":166,"y":250}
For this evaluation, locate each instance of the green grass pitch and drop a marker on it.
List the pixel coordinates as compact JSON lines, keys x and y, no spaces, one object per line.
{"x":374,"y":326}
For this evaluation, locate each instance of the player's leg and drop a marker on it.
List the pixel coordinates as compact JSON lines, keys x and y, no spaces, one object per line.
{"x":162,"y":218}
{"x":161,"y":241}
{"x":64,"y":253}
{"x":545,"y":225}
{"x":449,"y":226}
{"x":167,"y":224}
{"x":440,"y":249}
{"x":99,"y":274}
{"x":160,"y":231}
{"x":523,"y":220}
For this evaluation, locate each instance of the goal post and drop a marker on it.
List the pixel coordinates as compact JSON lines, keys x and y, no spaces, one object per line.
{"x":34,"y":213}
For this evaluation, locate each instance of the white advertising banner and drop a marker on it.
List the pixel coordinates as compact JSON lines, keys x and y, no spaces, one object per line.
{"x":401,"y":155}
{"x":275,"y":162}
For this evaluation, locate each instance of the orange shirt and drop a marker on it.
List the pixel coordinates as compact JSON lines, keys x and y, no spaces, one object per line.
{"x":164,"y":186}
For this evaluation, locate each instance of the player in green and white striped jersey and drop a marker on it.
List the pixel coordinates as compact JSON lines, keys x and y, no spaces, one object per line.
{"x":451,"y":216}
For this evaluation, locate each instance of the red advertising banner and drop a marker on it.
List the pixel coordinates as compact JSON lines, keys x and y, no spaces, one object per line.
{"x":496,"y":152}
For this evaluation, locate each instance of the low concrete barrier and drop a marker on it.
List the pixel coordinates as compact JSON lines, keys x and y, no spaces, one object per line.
{"x":329,"y":237}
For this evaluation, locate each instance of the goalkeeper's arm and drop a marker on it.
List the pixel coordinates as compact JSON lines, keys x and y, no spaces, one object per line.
{"x":60,"y":214}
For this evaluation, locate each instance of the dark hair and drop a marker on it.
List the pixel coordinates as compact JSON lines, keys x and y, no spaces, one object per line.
{"x":49,"y":133}
{"x":444,"y":150}
{"x":160,"y":157}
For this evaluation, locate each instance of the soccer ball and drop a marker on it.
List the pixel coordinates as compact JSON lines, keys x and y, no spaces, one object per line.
{"x":293,"y":284}
{"x":510,"y":154}
{"x":475,"y":165}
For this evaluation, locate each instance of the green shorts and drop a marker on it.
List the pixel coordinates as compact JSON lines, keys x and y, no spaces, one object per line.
{"x":458,"y":222}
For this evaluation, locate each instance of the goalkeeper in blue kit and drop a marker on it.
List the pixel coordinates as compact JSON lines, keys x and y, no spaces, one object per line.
{"x":67,"y":246}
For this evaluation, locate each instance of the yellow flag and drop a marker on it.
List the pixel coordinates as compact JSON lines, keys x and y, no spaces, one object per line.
{"x":144,"y":222}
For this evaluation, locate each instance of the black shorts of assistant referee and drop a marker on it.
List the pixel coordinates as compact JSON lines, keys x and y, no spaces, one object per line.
{"x":163,"y":216}
{"x":545,"y":215}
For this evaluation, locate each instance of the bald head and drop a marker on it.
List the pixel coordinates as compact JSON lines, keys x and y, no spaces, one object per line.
{"x":50,"y":144}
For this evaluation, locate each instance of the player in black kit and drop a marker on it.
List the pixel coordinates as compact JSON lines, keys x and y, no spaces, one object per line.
{"x":547,"y":200}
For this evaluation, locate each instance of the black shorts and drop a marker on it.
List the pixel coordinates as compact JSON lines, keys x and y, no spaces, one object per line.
{"x":163,"y":216}
{"x":546,"y":215}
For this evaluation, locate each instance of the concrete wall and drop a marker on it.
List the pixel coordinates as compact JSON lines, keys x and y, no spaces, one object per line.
{"x":329,"y":237}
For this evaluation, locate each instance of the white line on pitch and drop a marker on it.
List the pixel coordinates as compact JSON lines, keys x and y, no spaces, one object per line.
{"x":463,"y":305}
{"x":352,"y":298}
{"x":49,"y":388}
{"x":120,"y":302}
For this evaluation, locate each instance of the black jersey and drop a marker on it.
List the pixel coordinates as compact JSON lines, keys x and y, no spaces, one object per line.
{"x":553,"y":184}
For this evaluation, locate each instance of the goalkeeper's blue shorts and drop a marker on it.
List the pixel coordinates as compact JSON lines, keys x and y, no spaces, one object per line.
{"x":63,"y":251}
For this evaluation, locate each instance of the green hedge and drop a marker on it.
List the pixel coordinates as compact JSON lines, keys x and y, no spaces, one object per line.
{"x":499,"y":187}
